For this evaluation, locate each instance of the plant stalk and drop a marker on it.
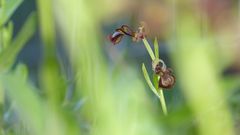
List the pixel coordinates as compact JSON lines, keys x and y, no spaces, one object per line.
{"x":153,"y":57}
{"x":148,"y":47}
{"x":162,"y":101}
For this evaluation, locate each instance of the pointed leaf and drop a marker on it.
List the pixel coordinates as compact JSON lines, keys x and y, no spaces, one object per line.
{"x":8,"y":56}
{"x":7,"y":11}
{"x":156,"y":48}
{"x":147,"y":78}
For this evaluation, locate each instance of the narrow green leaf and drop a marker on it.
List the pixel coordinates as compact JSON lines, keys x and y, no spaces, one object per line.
{"x":156,"y":48}
{"x":7,"y":34}
{"x":7,"y":11}
{"x":47,"y":26}
{"x":28,"y":104}
{"x":147,"y":78}
{"x":149,"y":49}
{"x":8,"y":56}
{"x":155,"y":81}
{"x":22,"y":71}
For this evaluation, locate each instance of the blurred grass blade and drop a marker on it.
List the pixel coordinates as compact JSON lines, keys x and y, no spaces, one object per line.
{"x":22,"y":71}
{"x":7,"y":34}
{"x":147,"y":78}
{"x":156,"y":48}
{"x":200,"y":79}
{"x":46,"y":18}
{"x":50,"y":79}
{"x":2,"y":94}
{"x":22,"y":94}
{"x":7,"y":11}
{"x":7,"y":57}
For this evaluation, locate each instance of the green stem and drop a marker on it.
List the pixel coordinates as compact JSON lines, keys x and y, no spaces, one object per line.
{"x":162,"y":101}
{"x":148,"y":47}
{"x":156,"y":48}
{"x":155,"y":78}
{"x":160,"y":94}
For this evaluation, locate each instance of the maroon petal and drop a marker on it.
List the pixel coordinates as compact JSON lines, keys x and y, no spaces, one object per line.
{"x":116,"y":37}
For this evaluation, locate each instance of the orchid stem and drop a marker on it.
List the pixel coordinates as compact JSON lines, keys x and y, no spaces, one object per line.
{"x":148,"y":47}
{"x":162,"y":101}
{"x":160,"y":93}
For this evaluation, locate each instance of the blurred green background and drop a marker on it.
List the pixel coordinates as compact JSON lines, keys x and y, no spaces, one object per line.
{"x":60,"y":75}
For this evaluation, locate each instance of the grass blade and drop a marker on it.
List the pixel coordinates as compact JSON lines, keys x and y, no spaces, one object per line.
{"x":28,"y":104}
{"x":147,"y":78}
{"x":9,"y":7}
{"x":7,"y":57}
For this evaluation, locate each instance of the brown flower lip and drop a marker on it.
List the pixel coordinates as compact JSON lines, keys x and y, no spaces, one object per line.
{"x":167,"y":79}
